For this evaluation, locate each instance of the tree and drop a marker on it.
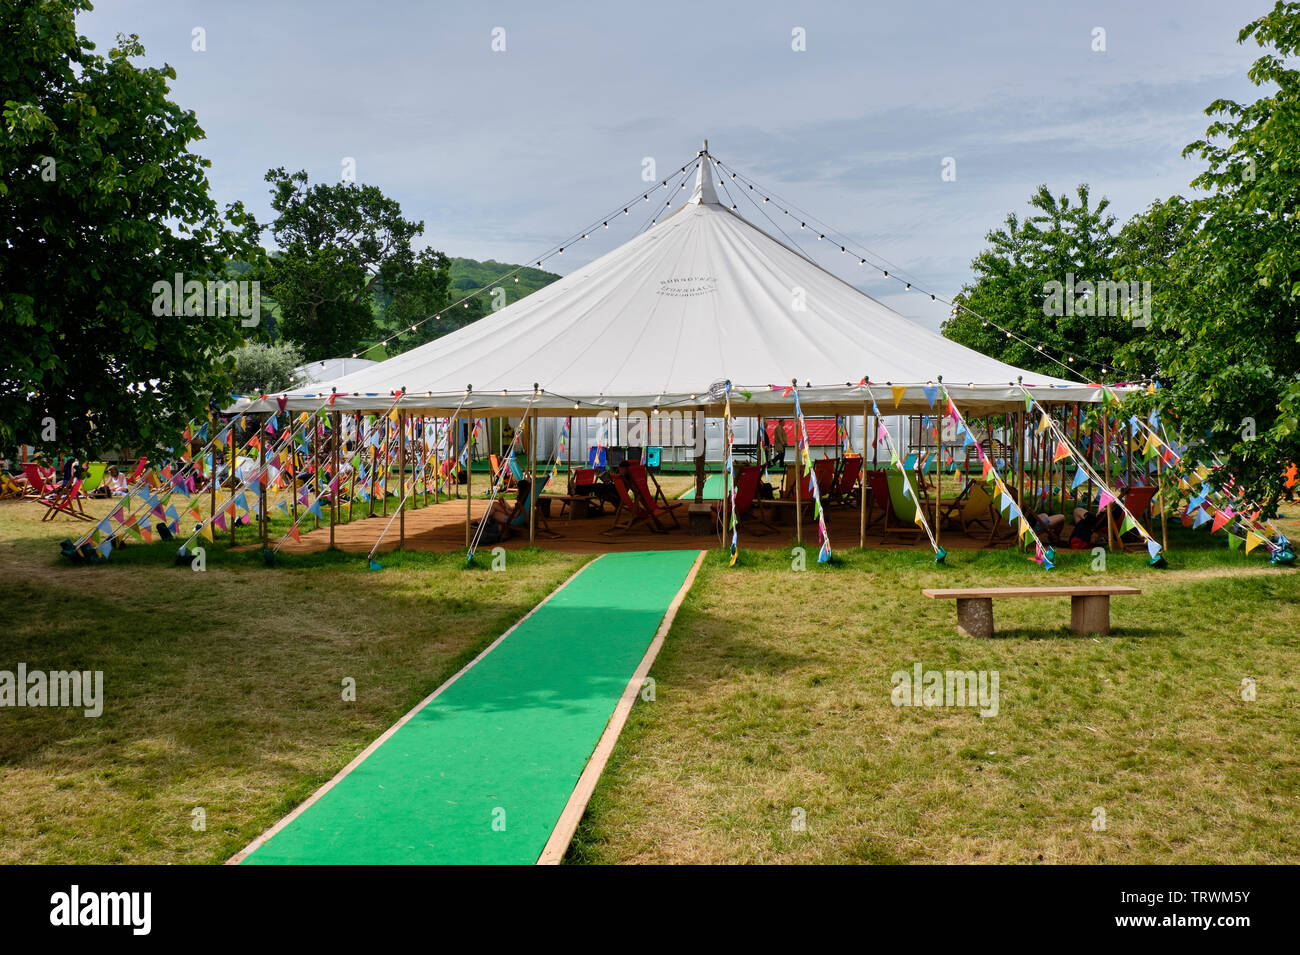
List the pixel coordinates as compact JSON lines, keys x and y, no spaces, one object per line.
{"x":340,"y":246}
{"x":100,"y":200}
{"x":1226,"y":315}
{"x":265,"y":369}
{"x":1047,"y":278}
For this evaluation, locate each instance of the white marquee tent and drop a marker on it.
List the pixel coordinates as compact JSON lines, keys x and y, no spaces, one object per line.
{"x":700,"y":298}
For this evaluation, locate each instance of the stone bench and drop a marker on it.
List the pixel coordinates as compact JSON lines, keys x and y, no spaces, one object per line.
{"x":1089,"y":606}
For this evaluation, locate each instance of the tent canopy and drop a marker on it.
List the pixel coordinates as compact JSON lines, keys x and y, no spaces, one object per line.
{"x":665,"y":319}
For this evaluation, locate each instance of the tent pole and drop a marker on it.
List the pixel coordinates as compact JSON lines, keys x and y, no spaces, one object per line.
{"x":401,"y":481}
{"x":798,"y":478}
{"x":1105,"y":452}
{"x":1160,"y":483}
{"x":469,"y":479}
{"x":352,"y":481}
{"x":294,"y":461}
{"x":1020,"y":466}
{"x":938,"y":474}
{"x":862,"y":483}
{"x":334,"y":498}
{"x":701,"y":439}
{"x":233,"y":472}
{"x":534,"y":497}
{"x":388,"y":457}
{"x":261,"y":480}
{"x":212,"y":478}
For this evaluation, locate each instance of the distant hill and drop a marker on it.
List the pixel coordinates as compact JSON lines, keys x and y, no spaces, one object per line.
{"x":467,"y":275}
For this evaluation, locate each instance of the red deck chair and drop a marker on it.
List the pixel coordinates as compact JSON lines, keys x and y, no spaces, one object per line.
{"x":656,"y":502}
{"x":139,"y":469}
{"x":35,"y":478}
{"x":847,"y":481}
{"x":65,"y":501}
{"x":631,"y":507}
{"x":748,"y":503}
{"x":1136,"y":498}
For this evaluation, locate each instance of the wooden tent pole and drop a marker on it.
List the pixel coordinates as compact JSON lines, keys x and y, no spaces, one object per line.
{"x":233,"y":472}
{"x":1160,"y":483}
{"x":1020,"y":465}
{"x":262,"y":482}
{"x":701,"y":439}
{"x":294,"y":461}
{"x":469,"y":478}
{"x":534,"y":497}
{"x":798,"y":478}
{"x":938,"y":474}
{"x":862,"y":483}
{"x":1105,"y":451}
{"x":401,"y":480}
{"x":334,"y":498}
{"x":212,"y":480}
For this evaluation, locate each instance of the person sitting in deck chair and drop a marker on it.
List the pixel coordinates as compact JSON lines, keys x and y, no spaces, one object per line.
{"x":502,"y":518}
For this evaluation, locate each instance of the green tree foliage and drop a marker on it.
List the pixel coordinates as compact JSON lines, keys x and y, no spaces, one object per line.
{"x":100,"y":198}
{"x":1060,"y":238}
{"x":265,"y":369}
{"x":341,"y":245}
{"x":1226,"y":315}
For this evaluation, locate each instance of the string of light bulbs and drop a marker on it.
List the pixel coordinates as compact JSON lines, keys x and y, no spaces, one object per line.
{"x":868,"y":257}
{"x":555,"y":250}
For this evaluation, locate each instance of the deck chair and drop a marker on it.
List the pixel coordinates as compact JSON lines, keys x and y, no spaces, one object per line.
{"x":9,"y":488}
{"x":846,"y":482}
{"x":825,"y":472}
{"x":748,"y":503}
{"x":1137,"y":499}
{"x":542,"y":525}
{"x":508,"y":479}
{"x":139,"y":470}
{"x":631,"y":511}
{"x":978,"y":510}
{"x":656,"y":501}
{"x":902,"y":508}
{"x":65,"y":500}
{"x":35,"y":479}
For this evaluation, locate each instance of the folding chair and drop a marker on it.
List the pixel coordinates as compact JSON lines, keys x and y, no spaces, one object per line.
{"x":65,"y":500}
{"x":902,"y":508}
{"x":748,"y":503}
{"x":846,"y":482}
{"x":631,"y":507}
{"x":657,"y":502}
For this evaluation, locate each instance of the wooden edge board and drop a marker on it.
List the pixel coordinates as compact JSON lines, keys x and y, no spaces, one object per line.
{"x":945,"y":593}
{"x":567,"y":824}
{"x":365,"y":753}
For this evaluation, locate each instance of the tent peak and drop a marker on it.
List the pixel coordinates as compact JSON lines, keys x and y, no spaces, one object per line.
{"x":704,"y":191}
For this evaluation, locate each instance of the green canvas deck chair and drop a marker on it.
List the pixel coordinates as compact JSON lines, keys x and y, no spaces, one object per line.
{"x":902,"y":507}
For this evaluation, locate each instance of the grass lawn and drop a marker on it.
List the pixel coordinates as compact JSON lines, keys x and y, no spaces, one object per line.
{"x":773,"y":696}
{"x":223,"y":691}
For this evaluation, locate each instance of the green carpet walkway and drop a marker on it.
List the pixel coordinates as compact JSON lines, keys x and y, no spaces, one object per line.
{"x":713,"y":488}
{"x":483,"y":771}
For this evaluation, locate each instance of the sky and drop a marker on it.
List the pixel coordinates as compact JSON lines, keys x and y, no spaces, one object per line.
{"x":503,"y":153}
